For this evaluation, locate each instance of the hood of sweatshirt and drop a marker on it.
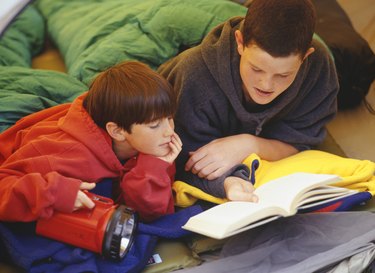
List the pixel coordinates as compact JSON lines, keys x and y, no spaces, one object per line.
{"x":79,"y":125}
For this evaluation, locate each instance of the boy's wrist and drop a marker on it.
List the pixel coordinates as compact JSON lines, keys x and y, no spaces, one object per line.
{"x":152,"y":162}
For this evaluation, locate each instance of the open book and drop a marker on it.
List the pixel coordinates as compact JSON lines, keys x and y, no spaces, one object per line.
{"x":281,"y":197}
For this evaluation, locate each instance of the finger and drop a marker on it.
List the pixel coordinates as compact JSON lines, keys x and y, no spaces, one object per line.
{"x":87,"y":201}
{"x":175,"y":150}
{"x":193,"y":159}
{"x":179,"y":141}
{"x":216,"y":173}
{"x":244,"y":196}
{"x":87,"y":186}
{"x":177,"y":144}
{"x":249,"y":189}
{"x":202,"y":164}
{"x":247,"y":186}
{"x":208,"y":171}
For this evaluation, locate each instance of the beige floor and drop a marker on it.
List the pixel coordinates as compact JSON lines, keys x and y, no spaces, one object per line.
{"x":354,"y":130}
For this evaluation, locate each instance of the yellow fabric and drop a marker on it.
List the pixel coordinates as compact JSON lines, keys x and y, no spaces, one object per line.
{"x":356,"y":174}
{"x":186,"y":195}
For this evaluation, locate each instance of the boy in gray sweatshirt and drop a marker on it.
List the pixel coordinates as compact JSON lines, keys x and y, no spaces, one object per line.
{"x":259,"y":84}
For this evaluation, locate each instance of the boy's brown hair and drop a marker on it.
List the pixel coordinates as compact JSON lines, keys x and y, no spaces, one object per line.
{"x":129,"y":93}
{"x":280,"y":27}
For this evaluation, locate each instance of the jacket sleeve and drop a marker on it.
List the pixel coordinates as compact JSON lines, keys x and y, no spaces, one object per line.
{"x":214,"y":187}
{"x":197,"y":122}
{"x":147,"y":187}
{"x":28,"y":196}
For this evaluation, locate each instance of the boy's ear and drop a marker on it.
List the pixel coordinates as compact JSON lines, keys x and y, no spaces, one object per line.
{"x":239,"y":41}
{"x":309,"y":51}
{"x":115,"y":131}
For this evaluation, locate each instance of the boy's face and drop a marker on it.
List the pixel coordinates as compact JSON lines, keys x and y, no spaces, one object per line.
{"x":265,"y":77}
{"x":152,"y":138}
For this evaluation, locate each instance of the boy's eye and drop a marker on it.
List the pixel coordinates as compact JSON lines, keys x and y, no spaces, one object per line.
{"x":154,"y":125}
{"x":255,"y":69}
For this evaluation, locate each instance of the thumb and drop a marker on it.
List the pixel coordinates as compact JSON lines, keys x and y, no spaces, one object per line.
{"x":246,"y":196}
{"x":87,"y":186}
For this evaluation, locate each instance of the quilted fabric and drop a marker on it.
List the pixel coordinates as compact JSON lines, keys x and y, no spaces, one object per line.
{"x":94,"y":35}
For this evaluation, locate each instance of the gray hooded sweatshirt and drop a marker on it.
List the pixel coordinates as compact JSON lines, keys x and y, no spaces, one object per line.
{"x":212,"y":103}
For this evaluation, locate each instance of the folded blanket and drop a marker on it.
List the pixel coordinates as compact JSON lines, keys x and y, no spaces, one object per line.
{"x":356,"y":174}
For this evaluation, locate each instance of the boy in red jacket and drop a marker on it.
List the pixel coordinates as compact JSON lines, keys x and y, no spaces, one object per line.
{"x":122,"y":128}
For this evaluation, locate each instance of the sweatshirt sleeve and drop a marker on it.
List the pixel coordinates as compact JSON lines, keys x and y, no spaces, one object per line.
{"x":28,"y":196}
{"x":198,"y":122}
{"x":215,"y":187}
{"x":147,"y":187}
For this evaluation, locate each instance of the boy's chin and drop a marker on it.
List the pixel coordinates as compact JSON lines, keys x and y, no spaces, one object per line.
{"x":160,"y":153}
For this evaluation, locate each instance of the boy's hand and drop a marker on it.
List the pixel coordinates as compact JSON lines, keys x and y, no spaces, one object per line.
{"x":217,"y":157}
{"x":238,"y":189}
{"x":82,"y":199}
{"x":176,"y":146}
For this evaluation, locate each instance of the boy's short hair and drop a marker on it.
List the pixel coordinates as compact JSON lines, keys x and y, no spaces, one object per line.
{"x":129,"y":93}
{"x":280,"y":27}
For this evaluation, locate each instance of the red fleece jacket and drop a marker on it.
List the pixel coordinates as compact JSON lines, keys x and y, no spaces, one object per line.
{"x":45,"y":156}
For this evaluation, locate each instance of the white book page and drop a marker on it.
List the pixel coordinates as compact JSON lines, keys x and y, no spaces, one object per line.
{"x":326,"y":193}
{"x":316,"y":203}
{"x":286,"y":192}
{"x":224,"y":219}
{"x":254,"y":225}
{"x":323,"y":190}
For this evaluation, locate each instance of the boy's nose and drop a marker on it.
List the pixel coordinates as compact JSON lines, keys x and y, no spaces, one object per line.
{"x":266,"y":83}
{"x":169,"y":128}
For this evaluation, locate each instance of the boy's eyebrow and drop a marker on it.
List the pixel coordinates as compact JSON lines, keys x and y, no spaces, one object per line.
{"x":284,"y":73}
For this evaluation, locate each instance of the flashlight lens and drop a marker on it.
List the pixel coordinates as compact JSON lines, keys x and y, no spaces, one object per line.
{"x":127,"y":230}
{"x":120,"y":233}
{"x":123,"y":246}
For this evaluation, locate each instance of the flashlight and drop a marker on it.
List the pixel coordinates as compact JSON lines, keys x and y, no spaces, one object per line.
{"x":107,"y":229}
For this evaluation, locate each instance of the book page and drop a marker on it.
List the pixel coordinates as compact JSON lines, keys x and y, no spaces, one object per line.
{"x":254,"y":225}
{"x":286,"y":192}
{"x":277,"y":198}
{"x":316,"y":200}
{"x":324,"y":193}
{"x":224,"y":219}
